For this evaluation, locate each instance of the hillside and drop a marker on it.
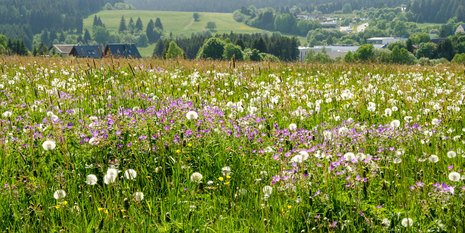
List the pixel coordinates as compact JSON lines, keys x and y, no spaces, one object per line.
{"x":175,"y":22}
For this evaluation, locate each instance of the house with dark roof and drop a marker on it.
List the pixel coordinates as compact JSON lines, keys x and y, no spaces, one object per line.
{"x":61,"y":49}
{"x":460,"y":29}
{"x":92,"y":51}
{"x":122,"y":51}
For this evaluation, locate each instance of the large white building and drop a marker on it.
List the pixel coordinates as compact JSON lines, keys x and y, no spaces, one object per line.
{"x":384,"y":40}
{"x":332,"y":50}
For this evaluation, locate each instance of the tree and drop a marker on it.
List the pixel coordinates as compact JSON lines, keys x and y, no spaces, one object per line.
{"x":442,"y":32}
{"x":87,"y":36}
{"x":95,"y":21}
{"x":149,"y":31}
{"x":196,"y":16}
{"x":131,"y":25}
{"x":409,"y":45}
{"x":79,"y":24}
{"x":213,"y":48}
{"x":459,"y":58}
{"x":460,"y":13}
{"x":399,"y":55}
{"x":400,"y":44}
{"x":260,"y":45}
{"x":329,"y":41}
{"x":230,"y":50}
{"x":255,"y":56}
{"x":347,"y":8}
{"x":101,"y":35}
{"x":349,"y":57}
{"x":44,"y":37}
{"x":365,"y":52}
{"x":62,"y":37}
{"x":426,"y":50}
{"x":43,"y":49}
{"x":211,"y":25}
{"x":445,"y":49}
{"x":174,"y":51}
{"x":139,"y":25}
{"x":143,"y":40}
{"x":122,"y":25}
{"x":240,"y":42}
{"x":158,"y":24}
{"x":158,"y":50}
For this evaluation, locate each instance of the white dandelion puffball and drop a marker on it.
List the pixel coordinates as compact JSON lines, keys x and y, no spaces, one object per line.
{"x":91,"y":179}
{"x":7,"y":114}
{"x":343,"y":130}
{"x":292,"y":126}
{"x":49,"y":145}
{"x":112,"y":172}
{"x":196,"y":177}
{"x":360,"y":156}
{"x":349,"y":156}
{"x":451,"y":154}
{"x":93,"y":141}
{"x":267,"y":190}
{"x":297,"y":159}
{"x":130,"y":174}
{"x":192,"y":115}
{"x":397,"y":160}
{"x":226,"y":171}
{"x":304,"y":155}
{"x":139,"y":196}
{"x":328,"y":135}
{"x":388,"y":112}
{"x":108,"y":179}
{"x":454,"y":176}
{"x":435,"y":121}
{"x":433,"y":158}
{"x":408,"y":119}
{"x":394,"y":108}
{"x":59,"y":194}
{"x":407,"y":222}
{"x":93,"y":118}
{"x":395,"y":123}
{"x":386,"y":222}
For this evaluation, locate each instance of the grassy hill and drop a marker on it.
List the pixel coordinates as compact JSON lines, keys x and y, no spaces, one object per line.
{"x":173,"y":21}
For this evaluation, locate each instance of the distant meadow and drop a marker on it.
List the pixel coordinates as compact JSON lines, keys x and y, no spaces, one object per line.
{"x":115,"y":145}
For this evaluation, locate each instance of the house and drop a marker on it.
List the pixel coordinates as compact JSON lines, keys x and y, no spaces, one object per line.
{"x":436,"y":40}
{"x":384,"y":40}
{"x":122,"y":51}
{"x":92,"y":51}
{"x":61,"y":49}
{"x":329,"y":24}
{"x":336,"y":50}
{"x":460,"y":29}
{"x":307,"y":16}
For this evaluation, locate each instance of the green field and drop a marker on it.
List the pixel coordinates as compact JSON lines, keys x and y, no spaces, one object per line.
{"x":175,"y":22}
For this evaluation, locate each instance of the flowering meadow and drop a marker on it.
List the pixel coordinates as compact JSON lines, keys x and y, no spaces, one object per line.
{"x":208,"y":146}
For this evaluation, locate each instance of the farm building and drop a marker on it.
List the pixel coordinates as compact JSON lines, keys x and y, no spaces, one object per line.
{"x":384,"y":40}
{"x":122,"y":51}
{"x":61,"y":49}
{"x":92,"y":51}
{"x":460,"y":29}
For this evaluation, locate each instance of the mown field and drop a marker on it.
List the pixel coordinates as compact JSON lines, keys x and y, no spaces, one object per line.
{"x":203,"y":146}
{"x":173,"y":21}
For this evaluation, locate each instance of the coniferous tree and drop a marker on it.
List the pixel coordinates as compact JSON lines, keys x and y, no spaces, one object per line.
{"x":260,"y":45}
{"x":149,"y":31}
{"x":131,"y":25}
{"x":240,"y":42}
{"x":139,"y":25}
{"x":79,"y":23}
{"x":95,"y":21}
{"x":87,"y":37}
{"x":122,"y":25}
{"x":79,"y":40}
{"x":158,"y":24}
{"x":62,"y":37}
{"x":158,"y":50}
{"x":34,"y":50}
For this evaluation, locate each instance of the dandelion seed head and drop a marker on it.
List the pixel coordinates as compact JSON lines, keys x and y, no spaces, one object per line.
{"x":139,"y":196}
{"x":91,"y":179}
{"x":48,"y":145}
{"x":454,"y":176}
{"x":407,"y":222}
{"x":292,"y":126}
{"x":267,"y":190}
{"x":226,"y":171}
{"x":196,"y":177}
{"x":59,"y":194}
{"x":130,"y":174}
{"x":191,"y":115}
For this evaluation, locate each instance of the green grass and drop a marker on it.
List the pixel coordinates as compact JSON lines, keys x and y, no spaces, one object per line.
{"x":173,"y":21}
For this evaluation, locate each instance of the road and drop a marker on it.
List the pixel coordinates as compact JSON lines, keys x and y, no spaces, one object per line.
{"x":362,"y":27}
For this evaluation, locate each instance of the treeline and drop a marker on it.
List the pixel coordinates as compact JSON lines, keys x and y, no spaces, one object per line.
{"x":281,"y":47}
{"x":437,"y":11}
{"x":325,"y":7}
{"x":21,"y":19}
{"x":10,"y":46}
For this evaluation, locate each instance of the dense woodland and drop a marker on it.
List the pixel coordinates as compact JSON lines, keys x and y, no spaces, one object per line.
{"x":437,"y":11}
{"x":326,"y":6}
{"x":21,"y":19}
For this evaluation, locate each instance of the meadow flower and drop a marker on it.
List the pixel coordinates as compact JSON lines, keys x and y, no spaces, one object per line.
{"x":407,"y":222}
{"x":139,"y":196}
{"x":297,"y":159}
{"x":93,"y":141}
{"x":433,"y":158}
{"x":267,"y":190}
{"x":343,"y":130}
{"x":454,"y":176}
{"x":395,"y":123}
{"x":130,"y":174}
{"x":397,"y":160}
{"x":408,"y":119}
{"x":292,"y":126}
{"x":93,"y":118}
{"x":386,"y":222}
{"x":59,"y":194}
{"x":268,"y":150}
{"x":158,"y":169}
{"x":226,"y":171}
{"x":7,"y":114}
{"x":360,"y":156}
{"x":48,"y":145}
{"x":388,"y":112}
{"x":304,"y":155}
{"x":210,"y":182}
{"x":91,"y":179}
{"x":394,"y":108}
{"x":111,"y":176}
{"x":451,"y":154}
{"x":192,"y":115}
{"x":371,"y":107}
{"x":435,"y":121}
{"x":328,"y":135}
{"x":349,"y":156}
{"x":196,"y":177}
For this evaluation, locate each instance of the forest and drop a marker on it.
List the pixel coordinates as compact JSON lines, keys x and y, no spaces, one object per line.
{"x":437,"y":11}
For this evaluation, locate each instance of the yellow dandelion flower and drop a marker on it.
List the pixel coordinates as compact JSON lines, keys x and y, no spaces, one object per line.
{"x":221,"y":178}
{"x":123,"y":210}
{"x":57,"y":206}
{"x":106,"y":211}
{"x":178,"y":151}
{"x":228,"y":177}
{"x":65,"y":202}
{"x":100,"y":209}
{"x":189,"y":144}
{"x":226,"y":183}
{"x":289,"y":206}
